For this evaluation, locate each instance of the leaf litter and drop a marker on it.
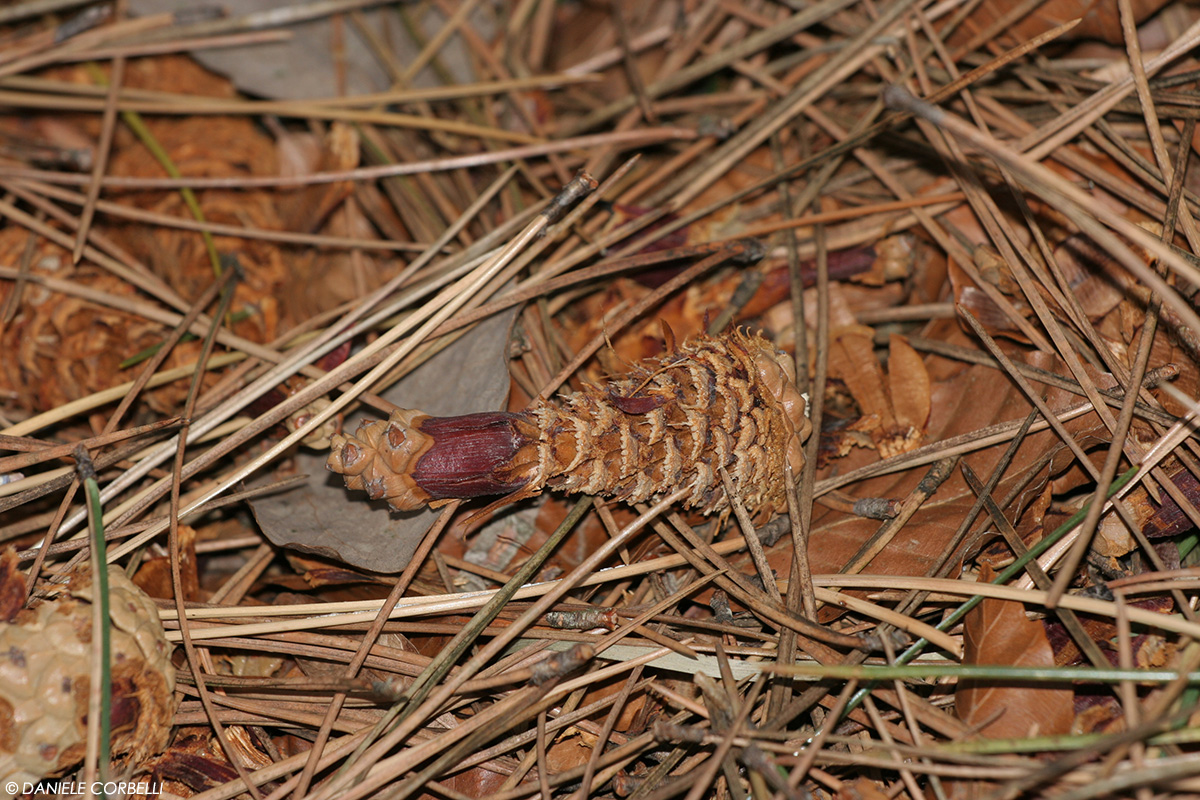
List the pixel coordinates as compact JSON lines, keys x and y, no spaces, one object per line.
{"x":330,"y":205}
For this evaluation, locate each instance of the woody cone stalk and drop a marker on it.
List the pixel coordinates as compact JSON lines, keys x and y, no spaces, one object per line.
{"x":726,"y":401}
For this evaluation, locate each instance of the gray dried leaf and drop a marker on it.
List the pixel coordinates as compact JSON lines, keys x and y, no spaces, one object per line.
{"x":303,"y":67}
{"x":321,"y":518}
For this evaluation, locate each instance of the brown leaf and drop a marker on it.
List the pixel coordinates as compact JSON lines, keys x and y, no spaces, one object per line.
{"x":304,"y":154}
{"x":12,"y":585}
{"x":1146,"y":647}
{"x":1167,"y":519}
{"x":974,"y":299}
{"x":1098,"y":19}
{"x":998,"y":632}
{"x":852,"y":360}
{"x":474,"y":782}
{"x":908,"y":384}
{"x":154,"y":576}
{"x":1096,"y":279}
{"x":1113,"y":538}
{"x":860,"y":789}
{"x":964,"y":399}
{"x":895,"y":410}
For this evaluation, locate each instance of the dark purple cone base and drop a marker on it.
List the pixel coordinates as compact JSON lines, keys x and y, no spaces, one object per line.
{"x":471,"y":455}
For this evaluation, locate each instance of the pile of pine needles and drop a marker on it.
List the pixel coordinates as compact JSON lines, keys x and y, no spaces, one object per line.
{"x":946,"y":610}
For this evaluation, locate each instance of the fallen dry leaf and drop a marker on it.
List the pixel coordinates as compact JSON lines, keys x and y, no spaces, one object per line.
{"x":998,"y":632}
{"x":470,"y":375}
{"x":12,"y":585}
{"x":894,"y":406}
{"x":860,"y":789}
{"x":963,"y":399}
{"x":1098,"y":19}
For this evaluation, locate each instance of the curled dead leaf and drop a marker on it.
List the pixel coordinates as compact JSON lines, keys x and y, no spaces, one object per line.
{"x":998,"y":632}
{"x":894,"y":407}
{"x":908,"y":386}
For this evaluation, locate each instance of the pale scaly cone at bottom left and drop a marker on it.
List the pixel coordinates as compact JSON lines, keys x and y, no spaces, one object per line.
{"x":45,"y":669}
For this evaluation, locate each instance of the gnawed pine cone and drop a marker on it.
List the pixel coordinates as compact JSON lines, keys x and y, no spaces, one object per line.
{"x":45,"y":672}
{"x":726,"y":401}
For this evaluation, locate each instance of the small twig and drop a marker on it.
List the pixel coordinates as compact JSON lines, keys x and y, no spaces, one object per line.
{"x":934,"y":478}
{"x":1095,"y":507}
{"x":610,"y":722}
{"x":37,"y":451}
{"x":632,"y":74}
{"x":705,"y":559}
{"x":801,"y":571}
{"x":100,"y":155}
{"x":753,"y":545}
{"x":442,"y":692}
